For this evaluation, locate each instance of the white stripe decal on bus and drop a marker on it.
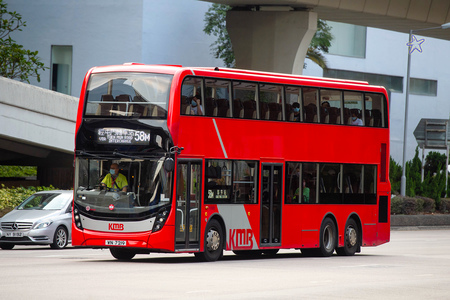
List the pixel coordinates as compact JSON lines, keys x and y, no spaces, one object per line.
{"x":220,"y":139}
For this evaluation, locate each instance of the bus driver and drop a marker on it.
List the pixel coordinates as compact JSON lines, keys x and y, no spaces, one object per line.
{"x":114,"y":181}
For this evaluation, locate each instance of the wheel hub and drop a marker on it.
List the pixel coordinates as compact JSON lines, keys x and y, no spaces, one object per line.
{"x":213,"y":240}
{"x":352,"y":236}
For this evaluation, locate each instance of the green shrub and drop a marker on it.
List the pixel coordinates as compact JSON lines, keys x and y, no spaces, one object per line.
{"x":445,"y":205}
{"x":11,"y":197}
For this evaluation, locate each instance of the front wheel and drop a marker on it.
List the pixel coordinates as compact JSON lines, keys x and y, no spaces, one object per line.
{"x":6,"y":246}
{"x":328,"y":238}
{"x":214,"y":239}
{"x":122,"y":254}
{"x":351,"y":240}
{"x":60,"y":238}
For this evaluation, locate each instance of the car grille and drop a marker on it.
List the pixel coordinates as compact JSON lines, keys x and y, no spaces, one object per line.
{"x":16,"y":225}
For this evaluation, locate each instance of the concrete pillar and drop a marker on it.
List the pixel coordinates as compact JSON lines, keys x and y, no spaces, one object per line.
{"x":274,"y":41}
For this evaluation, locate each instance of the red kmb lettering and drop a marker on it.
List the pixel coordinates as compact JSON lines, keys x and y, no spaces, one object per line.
{"x":240,"y":239}
{"x":115,"y":226}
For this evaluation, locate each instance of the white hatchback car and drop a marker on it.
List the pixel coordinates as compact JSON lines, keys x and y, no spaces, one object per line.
{"x":44,"y":218}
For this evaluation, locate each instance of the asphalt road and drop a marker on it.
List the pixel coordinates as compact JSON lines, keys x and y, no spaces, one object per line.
{"x":414,"y":265}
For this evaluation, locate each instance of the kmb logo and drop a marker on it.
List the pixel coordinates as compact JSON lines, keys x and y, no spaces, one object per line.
{"x":115,"y":226}
{"x":241,"y":239}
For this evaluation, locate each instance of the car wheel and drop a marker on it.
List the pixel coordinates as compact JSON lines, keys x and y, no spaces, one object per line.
{"x":6,"y":246}
{"x":60,"y":238}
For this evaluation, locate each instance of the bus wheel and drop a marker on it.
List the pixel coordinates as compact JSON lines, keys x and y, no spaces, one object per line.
{"x":328,"y":240}
{"x":122,"y":254}
{"x":214,"y":239}
{"x":351,"y":239}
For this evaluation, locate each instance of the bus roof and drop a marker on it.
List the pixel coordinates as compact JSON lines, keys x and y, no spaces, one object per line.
{"x":172,"y":69}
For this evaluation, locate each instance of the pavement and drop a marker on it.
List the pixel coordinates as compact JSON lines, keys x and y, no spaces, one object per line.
{"x":417,"y":222}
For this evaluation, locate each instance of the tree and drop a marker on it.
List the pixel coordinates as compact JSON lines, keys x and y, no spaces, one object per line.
{"x":15,"y":61}
{"x":215,"y":24}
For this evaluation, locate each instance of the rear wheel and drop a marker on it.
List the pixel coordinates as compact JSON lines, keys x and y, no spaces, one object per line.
{"x":6,"y":246}
{"x":351,"y":239}
{"x":328,"y":238}
{"x":60,"y":238}
{"x":122,"y":253}
{"x":214,"y":239}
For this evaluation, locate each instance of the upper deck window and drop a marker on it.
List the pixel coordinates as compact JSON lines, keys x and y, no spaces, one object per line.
{"x":128,"y":95}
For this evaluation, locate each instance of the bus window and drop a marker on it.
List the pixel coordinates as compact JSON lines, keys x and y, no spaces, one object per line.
{"x":218,"y":181}
{"x":270,"y":98}
{"x":217,"y":97}
{"x":191,"y":90}
{"x":330,"y":184}
{"x":310,"y":98}
{"x":292,"y":184}
{"x":370,"y":184}
{"x":353,"y":108}
{"x":376,"y":107}
{"x":309,"y":178}
{"x":244,"y":96}
{"x":293,"y":106}
{"x":353,"y":184}
{"x":128,"y":95}
{"x":244,"y":182}
{"x":330,"y":106}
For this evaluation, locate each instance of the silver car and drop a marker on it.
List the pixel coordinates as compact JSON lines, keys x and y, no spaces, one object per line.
{"x":45,"y":218}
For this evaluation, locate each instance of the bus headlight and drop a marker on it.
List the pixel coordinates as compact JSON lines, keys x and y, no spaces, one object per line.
{"x":160,"y":219}
{"x":77,"y":218}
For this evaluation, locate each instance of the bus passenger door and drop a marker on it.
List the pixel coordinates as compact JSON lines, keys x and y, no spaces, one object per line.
{"x":187,"y":223}
{"x":271,"y":185}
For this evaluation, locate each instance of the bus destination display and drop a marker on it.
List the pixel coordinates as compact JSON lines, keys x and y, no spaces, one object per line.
{"x":122,"y":136}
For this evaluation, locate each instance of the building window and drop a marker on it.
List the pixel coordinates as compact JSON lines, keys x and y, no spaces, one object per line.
{"x":392,"y":83}
{"x":349,"y":39}
{"x":423,"y":87}
{"x":61,"y":73}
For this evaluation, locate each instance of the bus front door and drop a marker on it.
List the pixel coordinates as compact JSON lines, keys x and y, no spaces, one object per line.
{"x":271,"y":178}
{"x":187,"y":224}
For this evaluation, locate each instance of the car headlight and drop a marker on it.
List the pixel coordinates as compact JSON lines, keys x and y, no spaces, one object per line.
{"x":41,"y":225}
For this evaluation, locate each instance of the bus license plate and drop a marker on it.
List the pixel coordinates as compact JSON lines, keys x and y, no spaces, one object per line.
{"x":115,"y":243}
{"x":14,"y":234}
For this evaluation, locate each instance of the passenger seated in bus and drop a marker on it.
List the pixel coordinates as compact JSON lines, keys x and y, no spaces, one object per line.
{"x":196,"y":108}
{"x":355,"y":120}
{"x":296,"y":108}
{"x":305,"y":193}
{"x":114,"y":181}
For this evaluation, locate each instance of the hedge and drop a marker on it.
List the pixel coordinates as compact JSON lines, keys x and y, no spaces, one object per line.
{"x":11,"y":197}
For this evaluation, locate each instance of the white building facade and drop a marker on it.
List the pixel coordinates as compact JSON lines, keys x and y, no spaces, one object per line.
{"x":73,"y":36}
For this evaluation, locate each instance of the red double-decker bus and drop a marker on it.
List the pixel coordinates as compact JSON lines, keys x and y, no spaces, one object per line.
{"x":222,"y":159}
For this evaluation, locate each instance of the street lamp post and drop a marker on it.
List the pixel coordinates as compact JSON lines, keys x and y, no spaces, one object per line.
{"x":403,"y":179}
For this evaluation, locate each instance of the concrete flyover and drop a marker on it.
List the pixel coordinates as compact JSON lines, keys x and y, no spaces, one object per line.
{"x":37,"y":129}
{"x":273,"y":35}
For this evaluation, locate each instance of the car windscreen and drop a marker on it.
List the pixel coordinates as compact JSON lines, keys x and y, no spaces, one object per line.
{"x":45,"y":201}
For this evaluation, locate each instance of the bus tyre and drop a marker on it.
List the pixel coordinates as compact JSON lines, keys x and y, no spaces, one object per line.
{"x":60,"y":239}
{"x":214,"y":239}
{"x":122,"y":254}
{"x":351,"y":239}
{"x":328,"y":238}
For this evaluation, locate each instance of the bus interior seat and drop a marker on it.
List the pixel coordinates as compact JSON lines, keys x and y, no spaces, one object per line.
{"x":368,"y":118}
{"x":250,"y":109}
{"x":238,"y":109}
{"x":289,"y":112}
{"x":263,"y":111}
{"x":185,"y":107}
{"x":274,"y":111}
{"x":324,"y":115}
{"x":333,"y":115}
{"x":104,"y":109}
{"x":158,"y":111}
{"x":311,"y":113}
{"x":223,"y":108}
{"x":140,"y":109}
{"x":210,"y":107}
{"x":376,"y":114}
{"x":122,"y":106}
{"x":347,"y":116}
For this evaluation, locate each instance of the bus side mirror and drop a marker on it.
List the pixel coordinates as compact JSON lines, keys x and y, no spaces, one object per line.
{"x":169,"y":165}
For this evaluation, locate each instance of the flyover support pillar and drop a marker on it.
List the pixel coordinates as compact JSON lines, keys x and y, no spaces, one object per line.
{"x":273,"y":41}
